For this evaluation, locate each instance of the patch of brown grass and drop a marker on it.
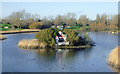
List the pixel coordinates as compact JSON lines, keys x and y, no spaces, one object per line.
{"x":2,"y":37}
{"x":114,"y":57}
{"x":31,"y":44}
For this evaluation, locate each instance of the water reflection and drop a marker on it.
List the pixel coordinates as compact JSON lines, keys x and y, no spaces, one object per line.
{"x":46,"y":53}
{"x":63,"y":54}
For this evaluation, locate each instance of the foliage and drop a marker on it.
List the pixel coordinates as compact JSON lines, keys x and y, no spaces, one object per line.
{"x":47,"y":36}
{"x":98,"y":27}
{"x":20,"y":18}
{"x":69,"y":19}
{"x":37,"y":25}
{"x":73,"y":38}
{"x":83,"y":20}
{"x":85,"y":28}
{"x":103,"y":22}
{"x":58,"y":20}
{"x":113,"y":27}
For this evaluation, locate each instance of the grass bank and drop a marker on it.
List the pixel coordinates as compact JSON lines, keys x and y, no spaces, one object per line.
{"x":19,"y":31}
{"x":84,"y":28}
{"x":31,"y":44}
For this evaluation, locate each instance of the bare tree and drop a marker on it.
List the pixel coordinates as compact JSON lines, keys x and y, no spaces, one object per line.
{"x":58,"y":20}
{"x":83,"y":20}
{"x":70,"y":19}
{"x":22,"y":18}
{"x":114,"y":20}
{"x":98,"y":18}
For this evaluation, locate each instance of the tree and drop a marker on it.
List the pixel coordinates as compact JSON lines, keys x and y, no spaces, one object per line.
{"x":20,"y":17}
{"x":50,"y":18}
{"x":47,"y":36}
{"x":98,"y":18}
{"x":83,"y":20}
{"x":112,"y":27}
{"x":70,"y":19}
{"x":104,"y":19}
{"x":16,"y":17}
{"x":114,"y":20}
{"x":58,"y":20}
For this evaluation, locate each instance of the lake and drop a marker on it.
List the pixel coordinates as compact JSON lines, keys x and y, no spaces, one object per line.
{"x":15,"y":59}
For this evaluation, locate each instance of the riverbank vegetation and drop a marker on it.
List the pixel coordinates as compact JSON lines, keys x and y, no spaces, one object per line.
{"x":25,"y":20}
{"x":31,"y":44}
{"x":2,"y":37}
{"x":113,"y":58}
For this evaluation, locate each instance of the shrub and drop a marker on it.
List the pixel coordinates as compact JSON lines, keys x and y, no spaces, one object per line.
{"x":76,"y":40}
{"x":72,"y":36}
{"x":37,"y":25}
{"x":47,"y":36}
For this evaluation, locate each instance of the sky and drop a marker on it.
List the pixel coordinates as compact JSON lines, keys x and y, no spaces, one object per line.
{"x":44,"y":9}
{"x":60,"y":0}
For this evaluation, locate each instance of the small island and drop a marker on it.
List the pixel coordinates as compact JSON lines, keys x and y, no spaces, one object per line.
{"x":56,"y":38}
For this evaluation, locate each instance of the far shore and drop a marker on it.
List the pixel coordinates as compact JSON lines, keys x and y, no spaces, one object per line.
{"x":35,"y":30}
{"x":20,"y":31}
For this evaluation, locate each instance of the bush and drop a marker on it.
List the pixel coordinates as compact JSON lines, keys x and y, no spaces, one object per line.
{"x":85,"y":28}
{"x":37,"y":25}
{"x":47,"y":36}
{"x":73,"y":37}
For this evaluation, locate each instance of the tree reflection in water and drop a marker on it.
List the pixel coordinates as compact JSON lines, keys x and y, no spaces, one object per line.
{"x":59,"y":54}
{"x":46,"y":53}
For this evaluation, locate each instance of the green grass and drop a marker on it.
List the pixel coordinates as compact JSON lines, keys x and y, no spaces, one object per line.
{"x":74,"y":28}
{"x":77,"y":28}
{"x":5,"y":25}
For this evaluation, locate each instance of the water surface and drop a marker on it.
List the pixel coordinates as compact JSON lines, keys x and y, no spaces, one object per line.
{"x":15,"y":59}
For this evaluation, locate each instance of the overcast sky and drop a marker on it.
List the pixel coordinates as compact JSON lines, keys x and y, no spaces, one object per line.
{"x":91,"y":9}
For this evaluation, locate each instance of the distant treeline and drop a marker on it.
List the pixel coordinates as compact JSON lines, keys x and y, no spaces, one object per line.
{"x":24,"y":20}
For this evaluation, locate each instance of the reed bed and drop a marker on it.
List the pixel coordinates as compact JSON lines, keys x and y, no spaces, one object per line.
{"x":31,"y":44}
{"x":114,"y":57}
{"x":2,"y":37}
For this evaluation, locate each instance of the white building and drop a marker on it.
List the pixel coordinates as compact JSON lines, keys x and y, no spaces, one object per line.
{"x":61,"y":39}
